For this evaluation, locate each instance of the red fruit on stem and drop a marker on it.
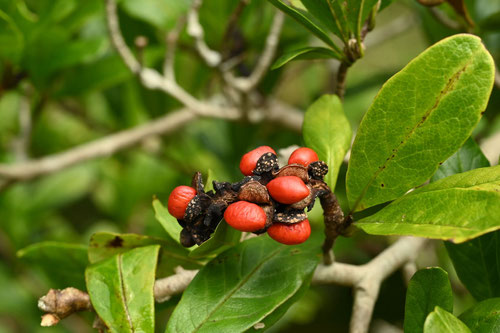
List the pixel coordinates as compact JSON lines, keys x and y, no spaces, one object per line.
{"x":179,"y":200}
{"x":245,"y":216}
{"x":249,"y":160}
{"x":290,"y":234}
{"x":303,"y":156}
{"x":287,"y":189}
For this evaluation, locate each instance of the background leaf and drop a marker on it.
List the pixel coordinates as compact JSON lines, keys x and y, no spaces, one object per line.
{"x":441,"y":321}
{"x":327,"y":131}
{"x":121,"y":290}
{"x":167,"y":221}
{"x":51,"y":256}
{"x":458,"y":208}
{"x":357,"y":12}
{"x":420,"y":117}
{"x":243,"y":285}
{"x":305,"y":53}
{"x":104,"y":245}
{"x":427,"y":289}
{"x":483,"y":317}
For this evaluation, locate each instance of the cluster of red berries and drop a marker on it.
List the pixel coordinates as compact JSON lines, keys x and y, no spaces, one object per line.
{"x":268,"y":199}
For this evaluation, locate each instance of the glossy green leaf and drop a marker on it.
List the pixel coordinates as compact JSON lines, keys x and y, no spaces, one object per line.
{"x":457,"y":208}
{"x":308,"y":53}
{"x":483,"y":317}
{"x":357,"y":12}
{"x":168,"y":222}
{"x":322,"y":11}
{"x":223,"y":238}
{"x":104,"y":245}
{"x":64,"y":263}
{"x":468,"y":157}
{"x":243,"y":285}
{"x":121,"y":290}
{"x":441,"y":321}
{"x":327,"y":131}
{"x":428,"y":288}
{"x":306,"y":20}
{"x":477,"y":263}
{"x":420,"y":117}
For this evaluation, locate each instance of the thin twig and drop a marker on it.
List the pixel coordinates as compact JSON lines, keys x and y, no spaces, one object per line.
{"x":171,"y":45}
{"x":246,"y":84}
{"x":195,"y":30}
{"x":341,"y":78}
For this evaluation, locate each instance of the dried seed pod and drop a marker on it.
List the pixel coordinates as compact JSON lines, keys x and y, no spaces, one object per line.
{"x":255,"y":192}
{"x":303,"y":156}
{"x":197,"y":182}
{"x":245,"y":216}
{"x":267,"y":162}
{"x":293,"y":170}
{"x":249,"y":160}
{"x":307,"y":201}
{"x":186,"y":238}
{"x":269,"y":210}
{"x":179,"y":199}
{"x":288,"y":189}
{"x":317,"y":170}
{"x":290,"y":216}
{"x":290,"y":234}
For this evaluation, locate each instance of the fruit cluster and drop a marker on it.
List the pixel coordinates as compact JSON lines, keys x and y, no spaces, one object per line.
{"x":269,"y":199}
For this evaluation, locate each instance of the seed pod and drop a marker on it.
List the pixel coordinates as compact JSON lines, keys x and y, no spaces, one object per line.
{"x":290,"y":234}
{"x":290,"y":216}
{"x":186,"y":238}
{"x":179,"y":200}
{"x":245,"y":216}
{"x":317,"y":170}
{"x":303,"y":156}
{"x":254,"y":191}
{"x":293,"y":170}
{"x":287,"y":190}
{"x":267,"y":162}
{"x":249,"y":160}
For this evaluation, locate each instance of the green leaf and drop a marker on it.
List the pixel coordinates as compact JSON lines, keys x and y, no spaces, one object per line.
{"x":243,"y":285}
{"x":458,"y":208}
{"x":121,"y":290}
{"x":338,"y":11}
{"x":357,"y":12}
{"x":441,"y":321}
{"x":168,"y":222}
{"x":420,"y":117}
{"x":307,"y":21}
{"x":491,"y":23}
{"x":483,"y":317}
{"x":477,"y":263}
{"x":162,"y":14}
{"x":305,"y":53}
{"x":223,"y":238}
{"x":321,"y":11}
{"x":327,"y":131}
{"x":468,"y":157}
{"x":64,"y":263}
{"x":427,"y":289}
{"x":104,"y":245}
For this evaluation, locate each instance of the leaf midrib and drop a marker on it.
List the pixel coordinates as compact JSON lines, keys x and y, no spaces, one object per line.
{"x":236,"y":288}
{"x":447,"y":89}
{"x":123,"y":292}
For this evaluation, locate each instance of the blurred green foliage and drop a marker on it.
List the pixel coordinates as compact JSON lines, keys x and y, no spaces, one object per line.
{"x":57,"y":62}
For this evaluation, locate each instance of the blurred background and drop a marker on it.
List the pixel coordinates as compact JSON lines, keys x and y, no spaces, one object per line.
{"x":62,"y":85}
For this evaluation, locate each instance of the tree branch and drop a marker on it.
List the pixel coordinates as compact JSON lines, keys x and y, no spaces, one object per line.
{"x":365,"y":279}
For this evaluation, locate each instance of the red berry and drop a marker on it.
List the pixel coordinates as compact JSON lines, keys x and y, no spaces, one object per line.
{"x":245,"y":216}
{"x":179,"y":200}
{"x":249,"y":160}
{"x":287,"y":189}
{"x":303,"y":156}
{"x":290,"y":234}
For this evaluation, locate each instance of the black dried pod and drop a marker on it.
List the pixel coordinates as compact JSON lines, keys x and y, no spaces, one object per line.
{"x":197,"y":182}
{"x":237,"y":186}
{"x":269,"y":210}
{"x":186,"y":238}
{"x":317,"y":170}
{"x":267,"y":162}
{"x":196,"y":207}
{"x":290,"y":216}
